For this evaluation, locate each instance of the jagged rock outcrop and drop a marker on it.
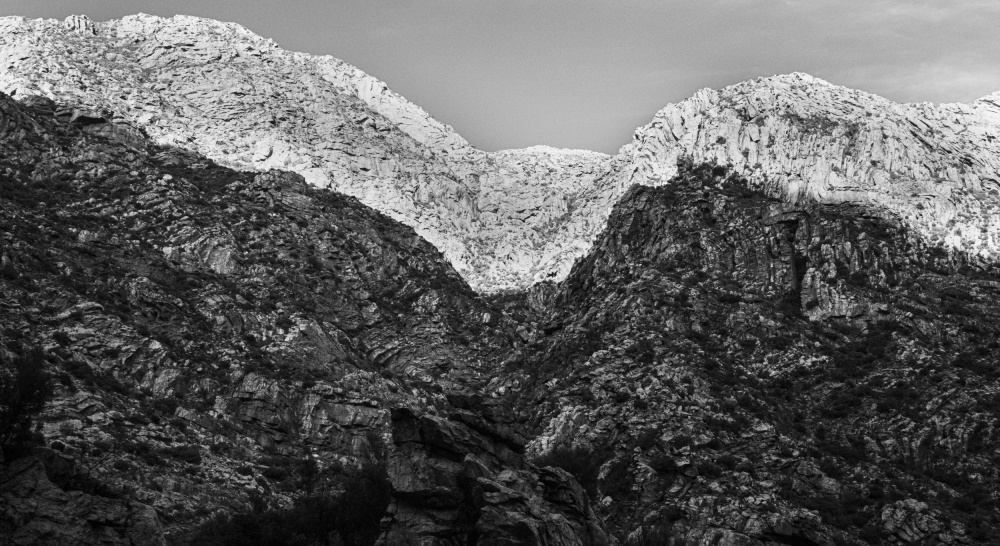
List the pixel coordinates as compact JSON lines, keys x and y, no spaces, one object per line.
{"x":468,"y":470}
{"x":80,"y":23}
{"x":212,"y":335}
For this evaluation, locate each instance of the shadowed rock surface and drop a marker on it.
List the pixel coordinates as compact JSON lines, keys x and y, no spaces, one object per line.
{"x":746,"y":371}
{"x":208,"y":332}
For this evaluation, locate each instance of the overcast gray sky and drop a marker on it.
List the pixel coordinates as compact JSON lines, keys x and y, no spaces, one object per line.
{"x":586,"y":73}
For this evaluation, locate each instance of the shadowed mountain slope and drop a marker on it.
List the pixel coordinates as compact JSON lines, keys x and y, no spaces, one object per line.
{"x":746,"y":371}
{"x":217,"y":340}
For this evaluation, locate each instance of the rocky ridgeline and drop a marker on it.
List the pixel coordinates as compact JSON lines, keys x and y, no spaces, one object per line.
{"x":218,"y":89}
{"x":220,"y":340}
{"x":739,"y":370}
{"x":800,"y":138}
{"x":508,"y":219}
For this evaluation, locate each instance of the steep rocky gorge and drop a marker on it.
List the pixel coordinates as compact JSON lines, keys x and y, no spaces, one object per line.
{"x":737,"y":369}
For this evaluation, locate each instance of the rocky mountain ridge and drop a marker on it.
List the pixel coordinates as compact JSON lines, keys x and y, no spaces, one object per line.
{"x":507,"y":219}
{"x":935,"y":167}
{"x":237,"y":98}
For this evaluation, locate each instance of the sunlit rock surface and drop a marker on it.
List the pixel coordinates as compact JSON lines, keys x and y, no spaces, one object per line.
{"x":218,"y":89}
{"x":506,"y":219}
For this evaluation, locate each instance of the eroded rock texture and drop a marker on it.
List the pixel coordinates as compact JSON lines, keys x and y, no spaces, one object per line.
{"x":746,"y":371}
{"x":218,"y":89}
{"x":800,"y":138}
{"x":512,"y":218}
{"x":37,"y":511}
{"x":211,"y":335}
{"x":790,"y":339}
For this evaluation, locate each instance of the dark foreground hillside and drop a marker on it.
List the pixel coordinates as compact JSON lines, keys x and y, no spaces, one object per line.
{"x":195,"y":355}
{"x":724,"y":368}
{"x":213,"y":342}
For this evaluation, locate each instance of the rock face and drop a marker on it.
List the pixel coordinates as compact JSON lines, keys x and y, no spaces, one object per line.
{"x":507,"y":219}
{"x":800,"y":138}
{"x":212,"y":334}
{"x":743,"y":370}
{"x":220,"y":90}
{"x":36,"y":511}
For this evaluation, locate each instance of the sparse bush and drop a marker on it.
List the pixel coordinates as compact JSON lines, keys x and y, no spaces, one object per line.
{"x":655,"y":534}
{"x":730,"y":298}
{"x":709,"y":470}
{"x":663,"y":464}
{"x":349,"y":518}
{"x":727,"y":461}
{"x":647,"y":438}
{"x":621,"y":397}
{"x":617,"y":481}
{"x":24,"y":386}
{"x":790,"y":305}
{"x":275,"y":473}
{"x":858,"y":278}
{"x":581,"y":462}
{"x":969,"y":362}
{"x":641,"y":351}
{"x":189,"y":454}
{"x":62,"y":338}
{"x":166,"y":406}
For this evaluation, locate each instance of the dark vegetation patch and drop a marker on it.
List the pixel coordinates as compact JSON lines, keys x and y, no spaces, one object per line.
{"x":24,"y":387}
{"x":348,"y":515}
{"x":583,"y":463}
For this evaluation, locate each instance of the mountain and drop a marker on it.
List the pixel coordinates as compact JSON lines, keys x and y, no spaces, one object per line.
{"x":738,"y":369}
{"x":218,"y":89}
{"x":935,"y":167}
{"x":507,"y":219}
{"x":217,"y":340}
{"x":252,"y":296}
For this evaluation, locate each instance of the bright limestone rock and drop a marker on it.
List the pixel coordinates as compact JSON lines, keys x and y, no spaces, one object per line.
{"x":511,"y":218}
{"x":238,"y":98}
{"x":934,"y":167}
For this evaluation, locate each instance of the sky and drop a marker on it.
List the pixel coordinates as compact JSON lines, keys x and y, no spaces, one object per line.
{"x":585,"y":73}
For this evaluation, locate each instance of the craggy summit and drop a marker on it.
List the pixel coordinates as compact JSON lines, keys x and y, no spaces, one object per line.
{"x":506,"y":219}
